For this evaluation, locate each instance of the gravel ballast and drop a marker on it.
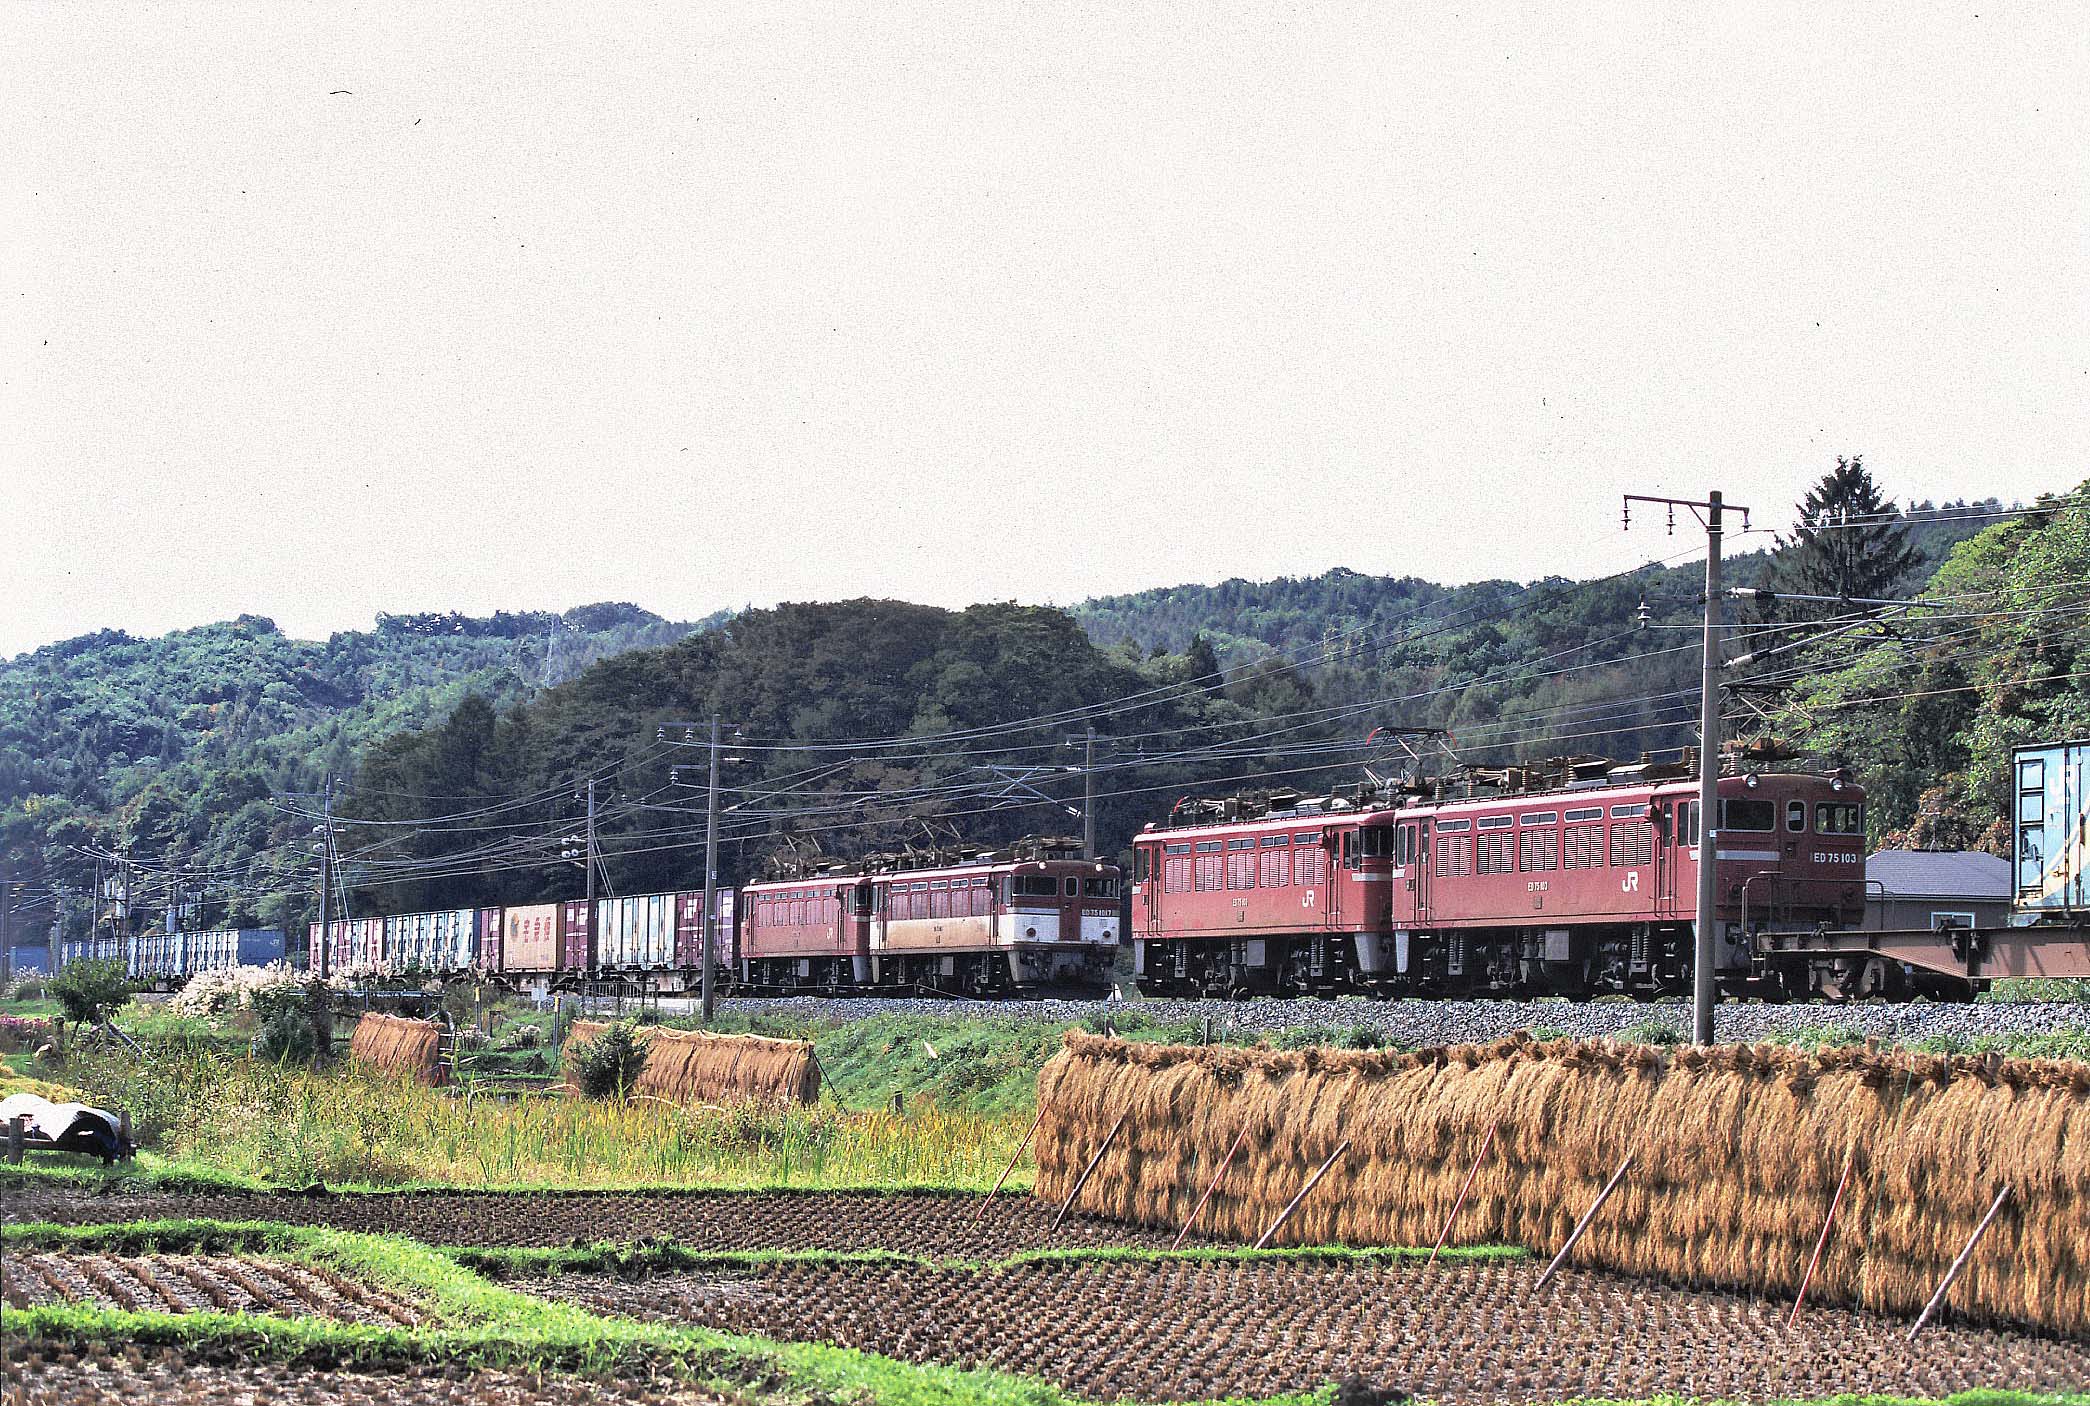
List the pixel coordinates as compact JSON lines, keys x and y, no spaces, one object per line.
{"x":1422,"y":1023}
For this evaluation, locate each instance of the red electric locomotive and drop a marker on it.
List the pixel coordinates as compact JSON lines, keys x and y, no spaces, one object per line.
{"x":1033,"y":918}
{"x":1575,"y":879}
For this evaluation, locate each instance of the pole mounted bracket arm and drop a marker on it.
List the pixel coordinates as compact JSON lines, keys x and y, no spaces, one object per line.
{"x":1702,"y":509}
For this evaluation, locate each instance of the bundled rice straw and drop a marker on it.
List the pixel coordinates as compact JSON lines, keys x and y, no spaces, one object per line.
{"x":1737,"y":1151}
{"x":694,"y":1066}
{"x":397,"y":1045}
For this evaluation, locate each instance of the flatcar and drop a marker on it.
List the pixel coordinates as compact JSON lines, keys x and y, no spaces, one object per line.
{"x":1515,"y":883}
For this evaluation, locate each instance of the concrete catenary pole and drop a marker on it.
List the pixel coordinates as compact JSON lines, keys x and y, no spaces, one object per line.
{"x":1088,"y":793}
{"x":326,"y":879}
{"x":1705,"y":954}
{"x":710,"y":877}
{"x":1704,"y":947}
{"x":590,"y":889}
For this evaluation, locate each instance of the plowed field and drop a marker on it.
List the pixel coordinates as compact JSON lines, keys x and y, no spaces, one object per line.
{"x":65,"y":1379}
{"x":1183,"y":1330}
{"x":197,"y":1284}
{"x":934,"y":1226}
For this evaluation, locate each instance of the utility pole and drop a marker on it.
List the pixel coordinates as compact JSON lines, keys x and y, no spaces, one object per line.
{"x":1087,"y":743}
{"x":1088,"y":793}
{"x":326,"y":881}
{"x":591,"y":849}
{"x":1705,"y":950}
{"x":710,"y":876}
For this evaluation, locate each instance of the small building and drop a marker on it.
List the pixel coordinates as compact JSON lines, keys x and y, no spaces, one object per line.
{"x":1909,"y":889}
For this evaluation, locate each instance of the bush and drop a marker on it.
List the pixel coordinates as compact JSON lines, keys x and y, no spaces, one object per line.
{"x":88,"y":993}
{"x":286,"y":1037}
{"x":608,"y":1065}
{"x":1653,"y":1032}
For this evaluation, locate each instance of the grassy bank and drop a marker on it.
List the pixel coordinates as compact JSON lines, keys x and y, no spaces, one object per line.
{"x":252,"y":1120}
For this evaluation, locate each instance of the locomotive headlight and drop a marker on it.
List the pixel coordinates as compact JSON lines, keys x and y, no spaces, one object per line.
{"x":1751,"y":781}
{"x":1837,"y":784}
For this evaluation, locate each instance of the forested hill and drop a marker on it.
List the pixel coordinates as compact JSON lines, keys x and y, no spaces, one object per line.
{"x":173,"y":744}
{"x":1246,"y":620}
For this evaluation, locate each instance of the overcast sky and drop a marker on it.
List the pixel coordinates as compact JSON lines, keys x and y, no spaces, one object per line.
{"x":705,"y":305}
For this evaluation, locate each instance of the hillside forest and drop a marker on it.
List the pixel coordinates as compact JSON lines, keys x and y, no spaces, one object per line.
{"x":462,"y":759}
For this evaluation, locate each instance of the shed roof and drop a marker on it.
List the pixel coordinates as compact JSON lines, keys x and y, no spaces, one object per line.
{"x":1911,"y":873}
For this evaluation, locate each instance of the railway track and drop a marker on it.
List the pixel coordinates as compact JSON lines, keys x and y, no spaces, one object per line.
{"x":1421,"y":1023}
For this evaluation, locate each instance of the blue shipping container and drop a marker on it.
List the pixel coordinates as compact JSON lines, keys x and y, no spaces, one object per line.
{"x":29,"y":957}
{"x":2052,"y":824}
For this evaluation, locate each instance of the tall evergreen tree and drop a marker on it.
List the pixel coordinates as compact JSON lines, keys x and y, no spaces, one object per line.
{"x":1849,"y":541}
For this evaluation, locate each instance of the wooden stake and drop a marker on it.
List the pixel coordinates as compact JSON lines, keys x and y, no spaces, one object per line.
{"x":1823,"y":1243}
{"x":1224,"y":1163}
{"x":1587,"y":1216}
{"x":1959,"y":1265}
{"x":989,"y":1197}
{"x":1311,"y":1182}
{"x":1083,"y":1180}
{"x":1464,"y":1187}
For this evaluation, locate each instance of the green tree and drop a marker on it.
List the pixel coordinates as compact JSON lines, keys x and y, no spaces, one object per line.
{"x":88,"y":993}
{"x":1848,"y":541}
{"x":608,"y":1065}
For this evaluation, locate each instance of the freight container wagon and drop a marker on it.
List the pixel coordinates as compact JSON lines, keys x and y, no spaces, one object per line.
{"x":576,"y":938}
{"x":366,"y":945}
{"x":222,"y":949}
{"x":2051,"y":818}
{"x":159,"y":957}
{"x":29,"y":958}
{"x":106,"y":948}
{"x":486,"y":941}
{"x":689,"y":932}
{"x":530,"y":938}
{"x":635,"y":933}
{"x":340,"y":955}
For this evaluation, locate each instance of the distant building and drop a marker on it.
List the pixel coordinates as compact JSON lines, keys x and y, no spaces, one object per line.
{"x":1917,"y":889}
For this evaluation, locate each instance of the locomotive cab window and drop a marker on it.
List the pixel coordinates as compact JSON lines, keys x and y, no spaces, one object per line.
{"x":1349,"y":849}
{"x":1100,"y":888}
{"x":1839,"y":818}
{"x":1142,"y":862}
{"x":1796,"y":815}
{"x":1035,"y":886}
{"x":1073,"y":887}
{"x":1748,"y":813}
{"x":1378,"y":841}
